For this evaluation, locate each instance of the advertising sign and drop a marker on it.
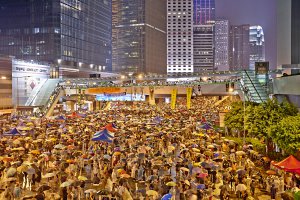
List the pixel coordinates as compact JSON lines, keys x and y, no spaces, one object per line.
{"x":173,"y":98}
{"x":189,"y":92}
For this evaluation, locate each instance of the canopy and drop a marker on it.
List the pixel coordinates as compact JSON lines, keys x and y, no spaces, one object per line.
{"x":60,"y":117}
{"x":110,"y":127}
{"x":12,"y":132}
{"x":290,"y":164}
{"x":103,"y":135}
{"x":76,"y":115}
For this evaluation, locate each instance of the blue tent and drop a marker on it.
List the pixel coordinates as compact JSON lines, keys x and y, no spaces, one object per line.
{"x":105,"y":132}
{"x":12,"y":132}
{"x":102,"y":137}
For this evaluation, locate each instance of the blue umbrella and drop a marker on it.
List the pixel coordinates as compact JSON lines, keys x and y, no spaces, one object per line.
{"x":167,"y":197}
{"x":12,"y":132}
{"x":206,"y":126}
{"x":201,"y":187}
{"x":60,"y":117}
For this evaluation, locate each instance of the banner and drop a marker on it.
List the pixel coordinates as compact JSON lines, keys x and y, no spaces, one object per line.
{"x":102,"y":90}
{"x":189,"y":92}
{"x":173,"y":98}
{"x":151,"y":96}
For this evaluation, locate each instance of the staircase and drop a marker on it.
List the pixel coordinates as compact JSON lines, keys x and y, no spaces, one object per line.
{"x":252,"y":89}
{"x":42,"y":93}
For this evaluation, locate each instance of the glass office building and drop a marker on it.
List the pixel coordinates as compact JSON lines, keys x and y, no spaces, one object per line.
{"x":257,"y":45}
{"x":204,"y":11}
{"x":50,"y":30}
{"x":139,"y":36}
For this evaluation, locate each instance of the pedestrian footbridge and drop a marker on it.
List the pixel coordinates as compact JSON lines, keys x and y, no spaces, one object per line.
{"x":51,"y":91}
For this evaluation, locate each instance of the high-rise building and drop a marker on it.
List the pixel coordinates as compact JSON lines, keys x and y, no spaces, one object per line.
{"x":222,"y":45}
{"x":295,"y":28}
{"x":204,"y":11}
{"x":43,"y":30}
{"x":239,"y":47}
{"x":139,"y":36}
{"x":180,"y":36}
{"x":203,"y":48}
{"x":257,"y":45}
{"x":204,"y":31}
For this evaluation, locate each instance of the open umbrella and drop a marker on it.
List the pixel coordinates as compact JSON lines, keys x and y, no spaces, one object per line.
{"x":66,"y":184}
{"x":11,"y":172}
{"x":125,"y":176}
{"x":22,"y":168}
{"x":82,"y":178}
{"x":241,"y":172}
{"x":271,"y":172}
{"x":201,"y":187}
{"x":59,"y":146}
{"x":240,"y":153}
{"x":184,"y":169}
{"x":167,"y":197}
{"x":48,"y":175}
{"x":241,"y":187}
{"x":90,"y":191}
{"x":152,"y":193}
{"x":43,"y":188}
{"x":172,"y":184}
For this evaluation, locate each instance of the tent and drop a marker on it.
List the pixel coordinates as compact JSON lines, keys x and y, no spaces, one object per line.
{"x":110,"y":127}
{"x":12,"y":132}
{"x":290,"y":164}
{"x":60,"y":117}
{"x":76,"y":115}
{"x":102,"y":137}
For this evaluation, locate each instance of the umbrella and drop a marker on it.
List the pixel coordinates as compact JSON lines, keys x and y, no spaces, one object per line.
{"x":82,"y":178}
{"x":210,"y":146}
{"x":203,"y":175}
{"x":184,"y":169}
{"x":241,"y":187}
{"x":49,"y":175}
{"x":167,"y":197}
{"x":35,"y":152}
{"x":196,"y":170}
{"x":11,"y":172}
{"x":59,"y":146}
{"x":108,"y":157}
{"x":43,"y":188}
{"x":90,"y":191}
{"x":22,"y":168}
{"x":125,"y":176}
{"x":66,"y":184}
{"x":196,"y":150}
{"x":271,"y":172}
{"x":152,"y":193}
{"x":201,"y":187}
{"x":117,"y":153}
{"x":10,"y":179}
{"x":172,"y":184}
{"x":240,"y":153}
{"x":30,"y":171}
{"x":187,"y":182}
{"x":241,"y":172}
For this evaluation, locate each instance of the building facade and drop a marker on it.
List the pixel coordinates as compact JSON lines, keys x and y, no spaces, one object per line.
{"x":257,"y":45}
{"x":204,"y":11}
{"x":204,"y":32}
{"x":43,"y":30}
{"x":180,"y":36}
{"x":222,"y":45}
{"x":139,"y":36}
{"x":203,"y":48}
{"x":239,"y":51}
{"x":295,"y":28}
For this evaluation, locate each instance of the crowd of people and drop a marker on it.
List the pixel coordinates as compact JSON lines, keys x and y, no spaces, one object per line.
{"x":146,"y":152}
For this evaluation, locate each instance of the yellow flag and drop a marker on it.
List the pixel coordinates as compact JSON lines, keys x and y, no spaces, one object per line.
{"x":189,"y":92}
{"x":173,"y":98}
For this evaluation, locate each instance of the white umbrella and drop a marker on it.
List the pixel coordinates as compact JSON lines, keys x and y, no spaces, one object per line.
{"x":241,"y":187}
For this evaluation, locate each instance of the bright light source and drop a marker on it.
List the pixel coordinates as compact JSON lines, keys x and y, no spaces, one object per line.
{"x":204,"y":78}
{"x":140,"y":76}
{"x":123,"y":77}
{"x":68,"y":82}
{"x":231,"y":90}
{"x":3,"y":77}
{"x":80,"y":64}
{"x":59,"y":61}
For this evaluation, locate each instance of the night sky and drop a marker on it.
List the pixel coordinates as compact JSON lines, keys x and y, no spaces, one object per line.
{"x":253,"y":12}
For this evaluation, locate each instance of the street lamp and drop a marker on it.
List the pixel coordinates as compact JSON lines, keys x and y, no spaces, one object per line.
{"x":3,"y":77}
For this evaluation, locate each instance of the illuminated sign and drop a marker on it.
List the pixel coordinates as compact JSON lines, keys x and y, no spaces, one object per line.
{"x":120,"y":97}
{"x":103,"y":90}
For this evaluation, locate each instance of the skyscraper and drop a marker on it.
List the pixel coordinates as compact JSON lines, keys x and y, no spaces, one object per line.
{"x":295,"y":32}
{"x":44,"y":30}
{"x":204,"y":11}
{"x":180,"y":36}
{"x":204,"y":32}
{"x":239,"y":47}
{"x":222,"y":45}
{"x":257,"y":45}
{"x":139,"y":36}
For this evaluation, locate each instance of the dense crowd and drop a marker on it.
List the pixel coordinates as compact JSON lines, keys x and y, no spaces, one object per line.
{"x":146,"y":152}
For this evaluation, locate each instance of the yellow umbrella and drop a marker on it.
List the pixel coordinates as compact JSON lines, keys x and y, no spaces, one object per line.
{"x":196,"y":150}
{"x":187,"y":182}
{"x":22,"y":168}
{"x":171,"y":148}
{"x":82,"y":178}
{"x":184,"y":169}
{"x":152,"y":193}
{"x":172,"y":184}
{"x":16,"y":142}
{"x":125,"y":176}
{"x":35,"y":152}
{"x":121,"y":171}
{"x":117,"y":153}
{"x":29,"y":124}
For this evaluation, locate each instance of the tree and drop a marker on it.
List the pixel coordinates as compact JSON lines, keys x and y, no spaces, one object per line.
{"x":286,"y":134}
{"x":234,"y":119}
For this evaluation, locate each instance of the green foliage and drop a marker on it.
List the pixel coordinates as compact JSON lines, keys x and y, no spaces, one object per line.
{"x":234,"y":119}
{"x":286,"y":134}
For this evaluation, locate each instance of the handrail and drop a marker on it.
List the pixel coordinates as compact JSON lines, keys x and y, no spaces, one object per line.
{"x":50,"y":101}
{"x":243,"y":89}
{"x":253,"y":85}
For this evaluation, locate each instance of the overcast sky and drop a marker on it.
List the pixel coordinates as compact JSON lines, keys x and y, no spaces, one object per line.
{"x":253,"y":12}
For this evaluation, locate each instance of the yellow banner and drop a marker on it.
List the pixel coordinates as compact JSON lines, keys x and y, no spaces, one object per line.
{"x":103,"y":90}
{"x":151,"y":96}
{"x":173,"y":98}
{"x":189,"y":92}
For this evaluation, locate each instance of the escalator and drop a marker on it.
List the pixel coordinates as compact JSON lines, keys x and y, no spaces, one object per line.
{"x":251,"y":88}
